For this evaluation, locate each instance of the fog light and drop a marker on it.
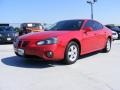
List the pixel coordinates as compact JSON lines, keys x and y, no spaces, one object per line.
{"x":49,"y":54}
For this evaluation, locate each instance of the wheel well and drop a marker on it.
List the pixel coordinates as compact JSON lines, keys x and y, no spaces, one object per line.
{"x":110,"y":37}
{"x":75,"y":40}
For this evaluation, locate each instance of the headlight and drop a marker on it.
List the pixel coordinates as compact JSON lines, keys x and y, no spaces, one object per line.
{"x":53,"y":40}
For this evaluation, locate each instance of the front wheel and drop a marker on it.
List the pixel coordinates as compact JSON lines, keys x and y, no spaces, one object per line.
{"x":108,"y":45}
{"x":71,"y":53}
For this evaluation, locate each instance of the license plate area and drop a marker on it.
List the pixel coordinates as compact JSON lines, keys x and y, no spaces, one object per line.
{"x":8,"y":39}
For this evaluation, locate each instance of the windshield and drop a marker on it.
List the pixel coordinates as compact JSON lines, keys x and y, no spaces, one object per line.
{"x":10,"y":29}
{"x":2,"y":29}
{"x":35,"y":25}
{"x":115,"y":28}
{"x":4,"y":25}
{"x":30,"y":25}
{"x":68,"y":25}
{"x":6,"y":29}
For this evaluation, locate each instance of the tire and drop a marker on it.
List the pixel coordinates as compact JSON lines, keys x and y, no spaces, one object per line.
{"x":71,"y":53}
{"x":25,"y":56}
{"x":17,"y":54}
{"x":107,"y":46}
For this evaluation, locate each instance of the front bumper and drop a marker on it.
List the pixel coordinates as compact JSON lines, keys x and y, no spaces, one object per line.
{"x":46,"y":52}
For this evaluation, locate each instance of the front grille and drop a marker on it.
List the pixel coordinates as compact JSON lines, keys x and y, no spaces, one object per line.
{"x":23,"y":43}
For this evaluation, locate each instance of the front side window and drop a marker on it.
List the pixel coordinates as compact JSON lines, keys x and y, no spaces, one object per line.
{"x":67,"y":25}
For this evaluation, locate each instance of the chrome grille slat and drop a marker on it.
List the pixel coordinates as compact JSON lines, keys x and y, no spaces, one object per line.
{"x":22,"y":44}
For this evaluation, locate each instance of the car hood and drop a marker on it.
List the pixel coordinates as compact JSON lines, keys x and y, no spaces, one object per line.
{"x":43,"y":35}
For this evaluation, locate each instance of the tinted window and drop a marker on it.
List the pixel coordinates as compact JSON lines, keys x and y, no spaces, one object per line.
{"x":1,"y":29}
{"x":35,"y":25}
{"x":95,"y":25}
{"x":9,"y":29}
{"x":4,"y":25}
{"x":6,"y":29}
{"x":89,"y":23}
{"x":108,"y":26}
{"x":67,"y":25}
{"x":30,"y":25}
{"x":115,"y":28}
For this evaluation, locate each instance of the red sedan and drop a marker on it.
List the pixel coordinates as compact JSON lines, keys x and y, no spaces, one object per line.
{"x":65,"y":40}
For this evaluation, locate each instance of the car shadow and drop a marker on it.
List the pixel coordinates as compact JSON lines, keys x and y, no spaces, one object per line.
{"x":89,"y":55}
{"x":36,"y":63}
{"x":28,"y":63}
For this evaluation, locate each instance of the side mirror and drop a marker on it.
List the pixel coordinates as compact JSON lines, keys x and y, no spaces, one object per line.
{"x":88,"y":29}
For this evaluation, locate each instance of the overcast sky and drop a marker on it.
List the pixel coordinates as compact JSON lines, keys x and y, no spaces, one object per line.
{"x":50,"y":11}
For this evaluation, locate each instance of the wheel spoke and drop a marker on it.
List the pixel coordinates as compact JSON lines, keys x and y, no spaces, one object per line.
{"x":72,"y":53}
{"x":108,"y":45}
{"x":75,"y":50}
{"x":69,"y":53}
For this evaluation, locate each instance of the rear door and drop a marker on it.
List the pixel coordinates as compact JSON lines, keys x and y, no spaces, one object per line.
{"x":100,"y":34}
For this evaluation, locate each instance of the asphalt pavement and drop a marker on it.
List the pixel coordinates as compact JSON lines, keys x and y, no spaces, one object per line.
{"x":96,"y":71}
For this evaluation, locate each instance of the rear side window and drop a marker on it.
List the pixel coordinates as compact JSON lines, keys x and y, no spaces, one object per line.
{"x":95,"y":25}
{"x":98,"y":26}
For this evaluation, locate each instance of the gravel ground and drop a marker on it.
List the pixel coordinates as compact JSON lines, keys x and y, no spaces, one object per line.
{"x":97,"y":71}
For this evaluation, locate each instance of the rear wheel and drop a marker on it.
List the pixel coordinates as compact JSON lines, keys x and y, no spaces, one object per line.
{"x":71,"y":53}
{"x":108,"y":45}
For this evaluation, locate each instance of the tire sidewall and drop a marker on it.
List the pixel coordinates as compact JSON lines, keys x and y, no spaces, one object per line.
{"x":66,"y":59}
{"x":108,"y":40}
